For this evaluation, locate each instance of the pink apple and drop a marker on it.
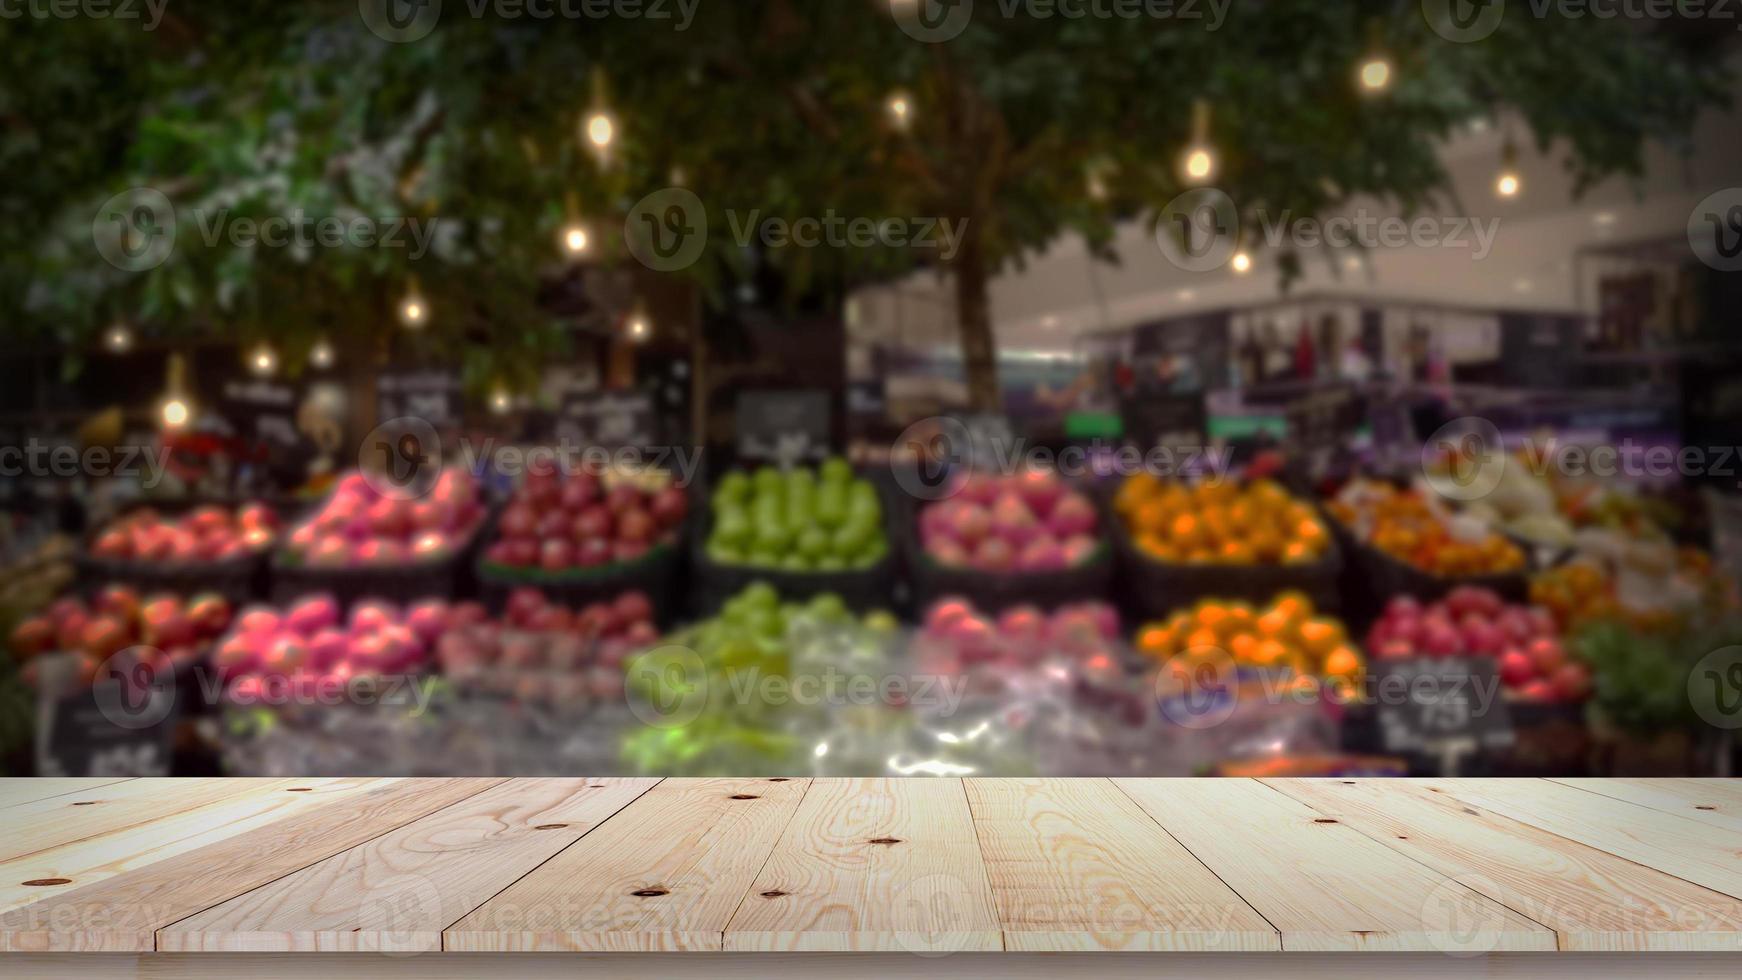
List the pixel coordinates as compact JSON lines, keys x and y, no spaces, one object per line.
{"x":1043,"y":554}
{"x":1079,"y":549}
{"x":1516,"y":668}
{"x":1073,"y":514}
{"x":1041,"y":490}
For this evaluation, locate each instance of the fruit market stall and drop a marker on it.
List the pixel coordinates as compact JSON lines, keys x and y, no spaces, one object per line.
{"x":417,"y":877}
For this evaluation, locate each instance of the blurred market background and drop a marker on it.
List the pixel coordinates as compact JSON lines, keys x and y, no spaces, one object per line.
{"x":870,"y":387}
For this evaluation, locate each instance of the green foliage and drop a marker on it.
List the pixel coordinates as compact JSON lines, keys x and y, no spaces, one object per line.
{"x":776,"y":107}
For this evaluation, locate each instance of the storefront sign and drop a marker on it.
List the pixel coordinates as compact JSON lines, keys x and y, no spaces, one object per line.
{"x":609,"y":419}
{"x":432,"y":395}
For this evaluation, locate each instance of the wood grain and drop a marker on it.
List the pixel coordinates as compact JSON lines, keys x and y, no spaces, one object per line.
{"x":1710,"y":801}
{"x":1668,"y":842}
{"x":1323,"y":885}
{"x":666,"y":873}
{"x":14,"y":790}
{"x":123,"y":913}
{"x":873,"y":864}
{"x":397,"y":892}
{"x":1593,"y":900}
{"x":41,"y":824}
{"x":62,"y":869}
{"x":1074,"y":864}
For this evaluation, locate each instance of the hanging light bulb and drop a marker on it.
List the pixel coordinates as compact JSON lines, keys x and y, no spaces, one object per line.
{"x":1242,"y":262}
{"x":1375,"y":73}
{"x":900,"y":109}
{"x":601,"y":129}
{"x":575,"y":239}
{"x":413,"y":311}
{"x":119,"y":339}
{"x":321,"y":354}
{"x":1199,"y":162}
{"x":500,"y":402}
{"x":175,"y":413}
{"x":1507,"y":183}
{"x":263,"y":361}
{"x":638,"y":328}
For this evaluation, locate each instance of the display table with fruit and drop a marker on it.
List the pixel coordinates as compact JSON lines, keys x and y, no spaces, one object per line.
{"x":208,"y":548}
{"x":1407,"y":541}
{"x":343,"y":877}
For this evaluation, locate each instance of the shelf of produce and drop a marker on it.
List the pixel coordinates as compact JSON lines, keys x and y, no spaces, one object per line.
{"x":1342,"y":877}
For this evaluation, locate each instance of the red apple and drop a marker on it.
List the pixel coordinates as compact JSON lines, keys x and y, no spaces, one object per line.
{"x":103,"y":637}
{"x":669,"y":506}
{"x":517,"y":521}
{"x":1547,"y":655}
{"x":556,"y":555}
{"x":1516,"y":668}
{"x":592,"y":552}
{"x":209,"y":613}
{"x":522,"y":603}
{"x":633,"y":606}
{"x":113,"y":544}
{"x":1571,"y":682}
{"x":120,"y":601}
{"x":593,"y":522}
{"x":311,"y":615}
{"x":635,"y":524}
{"x":372,"y":616}
{"x":628,"y":551}
{"x":32,"y":636}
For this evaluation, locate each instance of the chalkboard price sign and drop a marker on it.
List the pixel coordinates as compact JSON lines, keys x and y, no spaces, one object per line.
{"x":107,"y":730}
{"x":785,"y":426}
{"x":1448,"y":708}
{"x":433,"y":396}
{"x":263,"y":411}
{"x":608,"y":419}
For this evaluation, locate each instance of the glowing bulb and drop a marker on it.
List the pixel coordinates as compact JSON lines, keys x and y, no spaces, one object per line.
{"x":575,"y":239}
{"x":412,"y":311}
{"x":119,"y":338}
{"x":638,"y":328}
{"x":499,"y":402}
{"x":264,"y":360}
{"x":1375,"y":74}
{"x":175,"y":413}
{"x":321,"y":354}
{"x":899,"y":110}
{"x":601,"y":130}
{"x":1200,"y":163}
{"x":1242,"y":262}
{"x":1507,"y":185}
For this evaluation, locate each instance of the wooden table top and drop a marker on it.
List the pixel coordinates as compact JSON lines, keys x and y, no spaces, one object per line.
{"x":919,"y":865}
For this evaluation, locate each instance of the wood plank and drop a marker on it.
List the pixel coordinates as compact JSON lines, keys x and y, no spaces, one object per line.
{"x":57,"y":820}
{"x":27,"y":789}
{"x":1593,"y":900}
{"x":666,"y":873}
{"x":1673,"y":844}
{"x":397,"y":892}
{"x":62,"y":869}
{"x":1710,"y":801}
{"x":1324,"y":885}
{"x":123,"y":913}
{"x":1074,"y":864}
{"x":873,"y":864}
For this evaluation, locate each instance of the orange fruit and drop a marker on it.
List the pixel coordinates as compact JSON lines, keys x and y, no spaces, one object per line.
{"x":1244,"y":647}
{"x":1211,"y":614}
{"x":1274,"y":623}
{"x":1155,"y":640}
{"x":1202,"y":639}
{"x":1297,"y":552}
{"x":1151,"y":517}
{"x":1294,"y":605}
{"x":1186,"y":531}
{"x":1342,"y":661}
{"x":1320,"y":636}
{"x":1270,"y":653}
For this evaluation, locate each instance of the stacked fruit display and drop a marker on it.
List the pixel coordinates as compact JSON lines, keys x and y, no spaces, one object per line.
{"x":544,"y":653}
{"x":955,"y":635}
{"x":205,"y":534}
{"x":1029,"y":522}
{"x":309,"y":642}
{"x":1218,"y":521}
{"x":1646,"y":586}
{"x":586,"y":520}
{"x":1288,"y":634}
{"x":164,"y":632}
{"x":359,"y":525}
{"x":1417,"y":530}
{"x":1471,"y":621}
{"x":800,"y":520}
{"x":715,"y":696}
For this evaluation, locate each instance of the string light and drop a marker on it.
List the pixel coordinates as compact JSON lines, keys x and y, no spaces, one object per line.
{"x":1199,"y":162}
{"x":119,"y":338}
{"x":321,"y":354}
{"x":263,"y":360}
{"x":1375,"y":73}
{"x":175,"y":413}
{"x":575,"y":239}
{"x":1507,"y":183}
{"x":1242,"y":262}
{"x":500,"y":402}
{"x":900,"y":109}
{"x":638,"y":328}
{"x":601,"y":129}
{"x":413,"y":311}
